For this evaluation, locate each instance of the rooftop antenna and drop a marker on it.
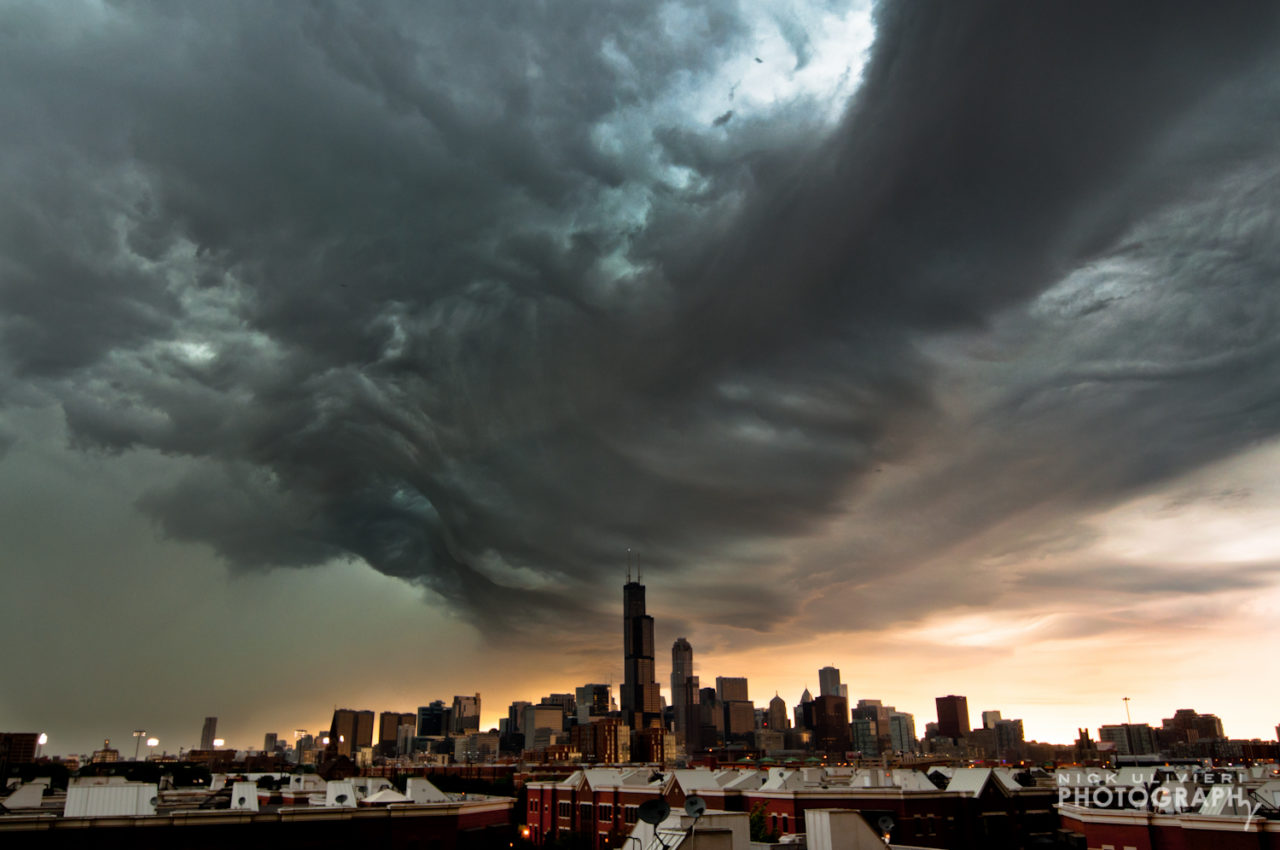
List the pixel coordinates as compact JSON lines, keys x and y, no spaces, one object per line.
{"x":628,"y":565}
{"x":1126,"y":711}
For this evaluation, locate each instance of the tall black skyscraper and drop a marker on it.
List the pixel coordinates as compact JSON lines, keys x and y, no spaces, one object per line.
{"x":681,"y":671}
{"x":953,"y":716}
{"x":641,"y":699}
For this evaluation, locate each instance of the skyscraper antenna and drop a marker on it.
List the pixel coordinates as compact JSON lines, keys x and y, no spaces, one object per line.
{"x":628,"y":565}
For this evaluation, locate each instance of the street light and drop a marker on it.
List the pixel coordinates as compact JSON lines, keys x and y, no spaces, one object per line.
{"x":138,"y":735}
{"x":151,"y":748}
{"x":40,"y":742}
{"x":218,"y":742}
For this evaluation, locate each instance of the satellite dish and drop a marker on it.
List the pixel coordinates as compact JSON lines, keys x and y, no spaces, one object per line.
{"x":886,"y":823}
{"x":240,"y":801}
{"x":654,"y":812}
{"x":695,"y":806}
{"x":340,"y":798}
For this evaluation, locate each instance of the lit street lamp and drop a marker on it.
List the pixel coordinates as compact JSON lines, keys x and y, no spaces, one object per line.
{"x":138,"y":735}
{"x":218,"y":742}
{"x":40,"y":742}
{"x":151,"y":748}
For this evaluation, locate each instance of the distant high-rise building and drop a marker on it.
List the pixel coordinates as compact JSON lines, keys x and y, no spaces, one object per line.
{"x":990,"y":719}
{"x":364,"y":728}
{"x":433,"y":719}
{"x":829,"y":682}
{"x":953,"y":716}
{"x":593,"y":700}
{"x":304,"y":744}
{"x":1086,"y":749}
{"x":804,"y":711}
{"x":466,"y":714}
{"x":693,"y":740}
{"x":863,"y":734}
{"x":1130,"y":739}
{"x":389,"y":723}
{"x":739,"y":720}
{"x":653,"y":745}
{"x":778,"y":714}
{"x":18,"y":748}
{"x":1009,"y":739}
{"x":710,"y":717}
{"x":739,"y":712}
{"x":568,"y":703}
{"x":208,"y":733}
{"x":1187,"y":726}
{"x":475,"y":747}
{"x":349,"y":730}
{"x":515,"y":718}
{"x":404,"y":739}
{"x":604,"y":739}
{"x":731,"y":688}
{"x":269,"y":741}
{"x":641,"y":697}
{"x":831,"y":719}
{"x":681,"y":670}
{"x":545,"y":718}
{"x":902,"y":732}
{"x":878,"y":713}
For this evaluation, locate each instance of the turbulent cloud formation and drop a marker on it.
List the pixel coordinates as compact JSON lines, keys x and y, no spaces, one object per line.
{"x":487,"y":296}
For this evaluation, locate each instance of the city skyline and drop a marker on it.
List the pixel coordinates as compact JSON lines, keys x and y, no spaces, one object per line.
{"x":248,"y":742}
{"x":350,"y":354}
{"x":954,"y":718}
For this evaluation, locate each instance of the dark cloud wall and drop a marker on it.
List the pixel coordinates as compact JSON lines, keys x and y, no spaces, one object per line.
{"x":462,"y":292}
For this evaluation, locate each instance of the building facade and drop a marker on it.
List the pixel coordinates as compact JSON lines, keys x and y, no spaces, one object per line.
{"x":953,"y":716}
{"x":465,"y":716}
{"x":681,"y":672}
{"x":641,"y":698}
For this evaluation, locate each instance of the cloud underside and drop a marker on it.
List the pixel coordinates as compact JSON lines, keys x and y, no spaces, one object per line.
{"x":485,"y":299}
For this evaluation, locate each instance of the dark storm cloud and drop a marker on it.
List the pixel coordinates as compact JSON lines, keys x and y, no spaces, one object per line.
{"x":1150,"y":582}
{"x":1089,"y":406}
{"x":445,"y":290}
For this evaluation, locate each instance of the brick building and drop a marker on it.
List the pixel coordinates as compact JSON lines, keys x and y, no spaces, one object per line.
{"x":978,"y":808}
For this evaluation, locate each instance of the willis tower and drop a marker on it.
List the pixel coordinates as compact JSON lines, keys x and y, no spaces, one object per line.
{"x":640,"y":698}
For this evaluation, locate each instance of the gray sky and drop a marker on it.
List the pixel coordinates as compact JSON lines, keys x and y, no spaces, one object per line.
{"x":345,"y":350}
